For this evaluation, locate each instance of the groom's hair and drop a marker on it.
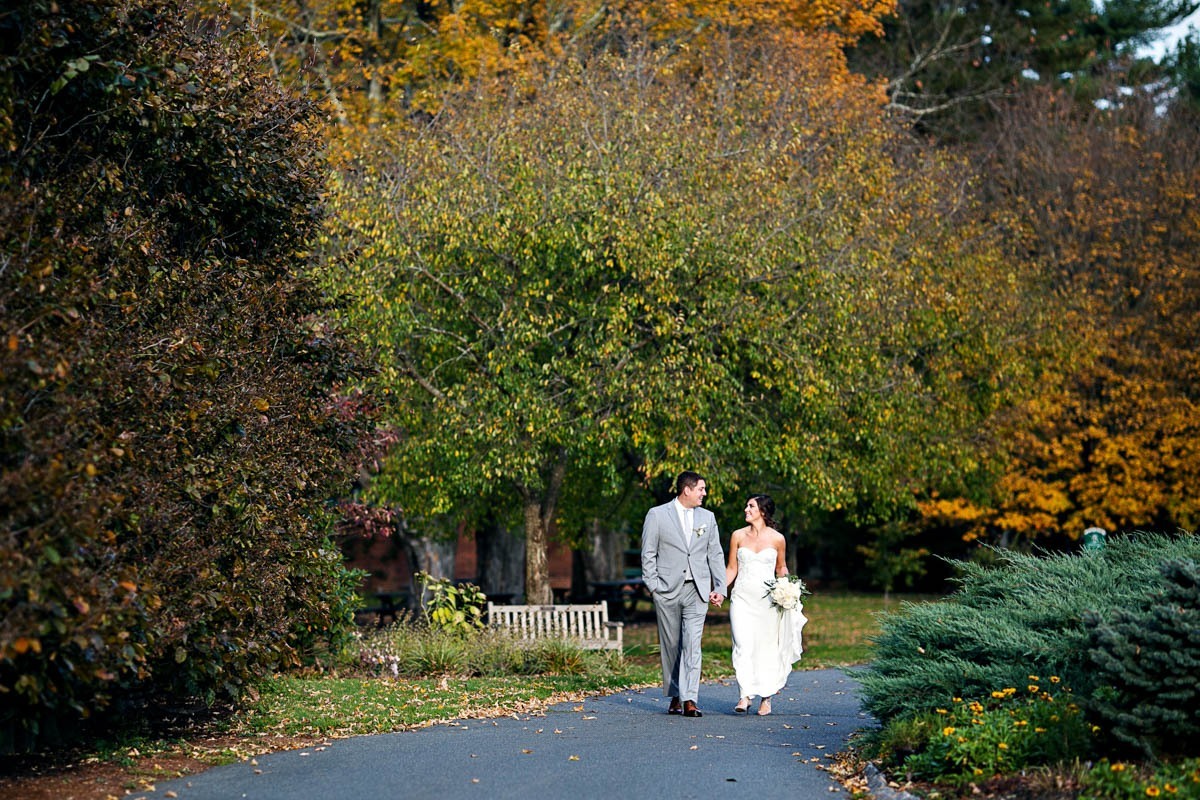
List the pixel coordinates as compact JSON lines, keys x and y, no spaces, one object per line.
{"x":686,"y":480}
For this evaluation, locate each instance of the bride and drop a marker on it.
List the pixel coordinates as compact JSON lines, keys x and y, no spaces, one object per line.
{"x":766,"y":640}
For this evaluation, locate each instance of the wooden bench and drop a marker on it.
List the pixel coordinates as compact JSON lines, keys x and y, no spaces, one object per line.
{"x":587,"y":624}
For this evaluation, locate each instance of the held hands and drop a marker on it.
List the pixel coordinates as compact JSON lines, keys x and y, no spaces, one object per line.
{"x":716,"y":598}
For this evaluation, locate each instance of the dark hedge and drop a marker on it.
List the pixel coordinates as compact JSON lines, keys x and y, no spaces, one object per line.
{"x":170,"y":424}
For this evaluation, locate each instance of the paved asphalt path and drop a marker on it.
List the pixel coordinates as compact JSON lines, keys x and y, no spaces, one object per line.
{"x":618,"y":746}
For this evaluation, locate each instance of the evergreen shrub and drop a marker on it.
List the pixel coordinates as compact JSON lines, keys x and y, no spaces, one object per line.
{"x":1025,"y":615}
{"x":1147,"y":666}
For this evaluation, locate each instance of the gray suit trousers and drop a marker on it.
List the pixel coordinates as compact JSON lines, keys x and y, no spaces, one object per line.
{"x":680,"y":625}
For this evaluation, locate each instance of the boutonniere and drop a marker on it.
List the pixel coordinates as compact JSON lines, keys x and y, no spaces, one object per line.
{"x":700,"y":531}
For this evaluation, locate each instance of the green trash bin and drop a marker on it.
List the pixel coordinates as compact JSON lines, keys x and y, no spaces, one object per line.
{"x":1093,"y":539}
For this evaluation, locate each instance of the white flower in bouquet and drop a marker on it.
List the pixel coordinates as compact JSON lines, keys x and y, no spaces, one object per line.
{"x":785,"y":592}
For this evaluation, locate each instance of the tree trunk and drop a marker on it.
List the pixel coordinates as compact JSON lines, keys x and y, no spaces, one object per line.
{"x":374,"y":59}
{"x":537,"y":562}
{"x":604,"y":556}
{"x":432,"y":556}
{"x":500,"y":554}
{"x":539,"y":523}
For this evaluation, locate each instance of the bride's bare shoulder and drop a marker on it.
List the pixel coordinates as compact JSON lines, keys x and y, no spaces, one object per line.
{"x":739,"y":533}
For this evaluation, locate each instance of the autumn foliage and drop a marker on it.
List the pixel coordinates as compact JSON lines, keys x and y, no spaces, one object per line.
{"x":1107,"y":203}
{"x":168,"y":429}
{"x":382,"y":58}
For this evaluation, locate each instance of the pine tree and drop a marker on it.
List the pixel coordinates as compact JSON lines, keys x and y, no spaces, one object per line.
{"x":1147,"y":663}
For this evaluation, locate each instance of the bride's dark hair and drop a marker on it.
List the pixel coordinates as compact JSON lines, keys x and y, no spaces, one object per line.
{"x":766,"y":507}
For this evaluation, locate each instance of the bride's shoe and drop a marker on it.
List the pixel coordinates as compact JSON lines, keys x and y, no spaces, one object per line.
{"x":764,"y":707}
{"x":743,"y":705}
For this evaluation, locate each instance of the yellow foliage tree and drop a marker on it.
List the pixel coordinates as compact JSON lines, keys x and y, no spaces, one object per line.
{"x":379,"y":58}
{"x":1107,"y":201}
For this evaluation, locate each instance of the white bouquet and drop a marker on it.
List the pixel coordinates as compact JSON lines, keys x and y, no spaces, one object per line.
{"x":785,"y":592}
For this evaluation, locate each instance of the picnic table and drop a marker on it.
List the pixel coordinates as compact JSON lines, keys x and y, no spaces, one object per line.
{"x":621,"y":595}
{"x":388,"y":606}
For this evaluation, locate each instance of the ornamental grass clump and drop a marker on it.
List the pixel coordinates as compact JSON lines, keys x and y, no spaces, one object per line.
{"x":413,"y":648}
{"x":1037,"y":723}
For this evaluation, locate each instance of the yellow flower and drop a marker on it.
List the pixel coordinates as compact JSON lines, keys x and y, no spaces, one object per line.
{"x":1002,"y":746}
{"x":1117,"y":767}
{"x":1039,"y":730}
{"x":1152,"y":791}
{"x":1034,"y":678}
{"x":941,"y":710}
{"x":958,"y":699}
{"x":1054,"y":679}
{"x":1170,"y":788}
{"x":976,"y":707}
{"x":1020,"y":723}
{"x":978,"y":771}
{"x":1034,"y":688}
{"x":946,"y":731}
{"x":998,"y":695}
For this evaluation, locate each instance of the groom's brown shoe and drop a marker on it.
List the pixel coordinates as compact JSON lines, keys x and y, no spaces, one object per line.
{"x":674,"y":708}
{"x":690,"y":710}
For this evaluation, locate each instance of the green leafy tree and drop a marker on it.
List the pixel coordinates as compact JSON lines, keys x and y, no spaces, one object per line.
{"x":731,"y":270}
{"x":169,"y":426}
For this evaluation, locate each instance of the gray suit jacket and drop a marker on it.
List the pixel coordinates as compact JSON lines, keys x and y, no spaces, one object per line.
{"x":667,"y":549}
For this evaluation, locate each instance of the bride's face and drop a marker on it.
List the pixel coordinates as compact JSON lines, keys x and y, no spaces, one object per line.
{"x":752,"y":512}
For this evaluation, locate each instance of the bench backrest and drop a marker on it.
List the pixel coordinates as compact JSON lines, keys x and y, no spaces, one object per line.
{"x":587,"y":623}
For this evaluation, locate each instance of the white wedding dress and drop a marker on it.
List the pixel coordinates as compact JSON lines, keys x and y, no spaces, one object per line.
{"x":766,"y":641}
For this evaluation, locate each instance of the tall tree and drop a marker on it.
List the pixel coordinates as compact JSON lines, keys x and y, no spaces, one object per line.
{"x":728,"y":269}
{"x":1106,"y":200}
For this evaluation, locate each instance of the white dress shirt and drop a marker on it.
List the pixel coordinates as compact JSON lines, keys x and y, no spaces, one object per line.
{"x":686,"y":515}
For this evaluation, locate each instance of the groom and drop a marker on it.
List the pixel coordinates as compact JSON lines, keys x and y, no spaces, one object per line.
{"x":684,"y":569}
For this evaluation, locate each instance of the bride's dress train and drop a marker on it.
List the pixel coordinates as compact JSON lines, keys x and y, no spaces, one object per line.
{"x":766,"y":642}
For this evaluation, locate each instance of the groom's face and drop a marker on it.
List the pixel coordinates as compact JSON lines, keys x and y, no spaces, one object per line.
{"x":693,"y":496}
